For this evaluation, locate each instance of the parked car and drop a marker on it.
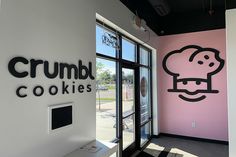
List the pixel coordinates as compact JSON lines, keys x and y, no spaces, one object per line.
{"x":101,"y":87}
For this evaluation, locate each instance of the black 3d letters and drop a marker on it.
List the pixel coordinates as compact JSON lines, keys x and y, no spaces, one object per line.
{"x":19,"y":92}
{"x":20,"y":67}
{"x":12,"y":69}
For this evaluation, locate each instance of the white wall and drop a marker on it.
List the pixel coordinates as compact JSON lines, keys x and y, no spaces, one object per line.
{"x":53,"y":30}
{"x":231,"y":64}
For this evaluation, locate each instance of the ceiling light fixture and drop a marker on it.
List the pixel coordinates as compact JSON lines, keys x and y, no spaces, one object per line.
{"x":139,"y":23}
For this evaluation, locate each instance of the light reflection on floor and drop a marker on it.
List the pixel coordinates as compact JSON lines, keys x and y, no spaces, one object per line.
{"x":155,"y":150}
{"x":177,"y":147}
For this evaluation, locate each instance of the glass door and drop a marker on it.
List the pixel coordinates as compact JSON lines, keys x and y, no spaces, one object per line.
{"x":128,"y":111}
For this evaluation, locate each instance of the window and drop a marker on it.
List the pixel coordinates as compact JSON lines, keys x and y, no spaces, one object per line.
{"x":105,"y":40}
{"x":128,"y":50}
{"x":145,"y":95}
{"x":144,"y":56}
{"x":106,"y":99}
{"x":123,"y":66}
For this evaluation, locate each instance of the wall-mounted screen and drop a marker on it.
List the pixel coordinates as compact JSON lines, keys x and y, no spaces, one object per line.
{"x":60,"y":116}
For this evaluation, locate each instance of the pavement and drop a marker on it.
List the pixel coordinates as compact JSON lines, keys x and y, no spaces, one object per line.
{"x":106,"y":122}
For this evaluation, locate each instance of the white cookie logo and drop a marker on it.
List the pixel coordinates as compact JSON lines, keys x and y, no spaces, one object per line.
{"x":194,"y":78}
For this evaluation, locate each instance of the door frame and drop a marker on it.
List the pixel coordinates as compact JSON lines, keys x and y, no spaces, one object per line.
{"x":135,"y":145}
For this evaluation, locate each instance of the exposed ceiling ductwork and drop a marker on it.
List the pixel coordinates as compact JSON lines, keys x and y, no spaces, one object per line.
{"x":167,"y":17}
{"x":160,"y":6}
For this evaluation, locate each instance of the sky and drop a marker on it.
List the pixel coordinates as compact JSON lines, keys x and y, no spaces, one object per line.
{"x":128,"y":50}
{"x":128,"y":47}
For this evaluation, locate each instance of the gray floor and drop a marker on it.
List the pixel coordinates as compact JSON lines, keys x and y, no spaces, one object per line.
{"x":176,"y":147}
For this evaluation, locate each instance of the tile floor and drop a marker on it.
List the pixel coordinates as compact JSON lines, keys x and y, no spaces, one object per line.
{"x":177,"y":147}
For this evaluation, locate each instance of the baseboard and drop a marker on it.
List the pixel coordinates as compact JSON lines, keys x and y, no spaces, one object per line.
{"x":191,"y":138}
{"x":156,"y":136}
{"x":136,"y":153}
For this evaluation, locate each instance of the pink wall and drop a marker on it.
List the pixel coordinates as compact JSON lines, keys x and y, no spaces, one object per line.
{"x":209,"y":114}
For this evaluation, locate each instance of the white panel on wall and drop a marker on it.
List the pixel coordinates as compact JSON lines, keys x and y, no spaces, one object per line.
{"x":231,"y":57}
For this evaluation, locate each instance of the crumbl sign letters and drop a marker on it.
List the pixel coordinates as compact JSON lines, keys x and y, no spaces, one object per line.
{"x":77,"y":71}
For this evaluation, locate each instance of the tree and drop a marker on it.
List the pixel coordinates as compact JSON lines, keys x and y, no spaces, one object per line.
{"x":99,"y":67}
{"x":130,"y":78}
{"x":114,"y":77}
{"x":103,"y":75}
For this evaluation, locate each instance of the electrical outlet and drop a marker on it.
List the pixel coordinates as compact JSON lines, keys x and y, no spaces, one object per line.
{"x":193,"y":124}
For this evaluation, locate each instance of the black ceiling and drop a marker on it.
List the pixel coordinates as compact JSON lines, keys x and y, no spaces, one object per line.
{"x":182,"y":15}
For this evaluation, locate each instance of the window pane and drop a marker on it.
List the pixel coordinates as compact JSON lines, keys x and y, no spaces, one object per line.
{"x":128,"y":50}
{"x":144,"y":94}
{"x":103,"y":43}
{"x":144,"y":56}
{"x":128,"y":131}
{"x":127,"y":91}
{"x":145,"y":133}
{"x":105,"y":99}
